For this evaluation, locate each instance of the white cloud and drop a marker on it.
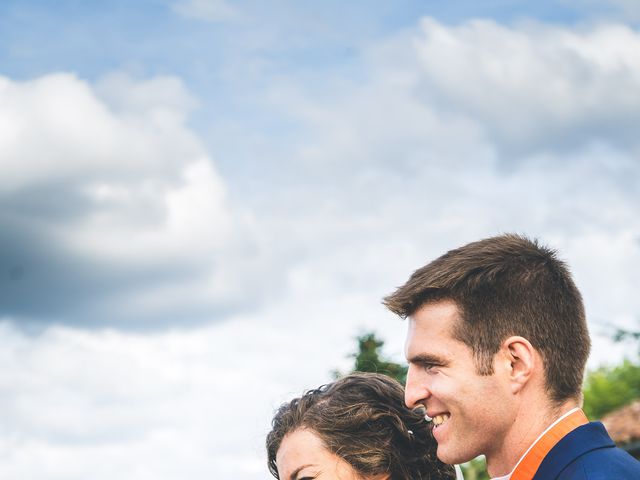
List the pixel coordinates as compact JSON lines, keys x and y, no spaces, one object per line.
{"x":629,"y":8}
{"x":451,"y":134}
{"x":141,"y":406}
{"x":128,"y":200}
{"x":621,"y":10}
{"x":167,"y":405}
{"x":438,"y":92}
{"x":456,"y":133}
{"x":535,"y":85}
{"x":59,"y":130}
{"x":208,"y":10}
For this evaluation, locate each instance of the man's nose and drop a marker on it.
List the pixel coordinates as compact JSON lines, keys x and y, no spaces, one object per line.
{"x":416,"y":390}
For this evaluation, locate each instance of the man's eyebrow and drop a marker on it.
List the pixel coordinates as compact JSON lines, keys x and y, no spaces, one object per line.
{"x":427,"y":359}
{"x":295,"y":473}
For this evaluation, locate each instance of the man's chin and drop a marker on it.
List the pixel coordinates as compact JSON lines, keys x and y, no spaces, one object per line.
{"x":446,"y":455}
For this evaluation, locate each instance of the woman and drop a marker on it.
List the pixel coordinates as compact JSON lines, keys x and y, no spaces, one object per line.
{"x":356,"y":428}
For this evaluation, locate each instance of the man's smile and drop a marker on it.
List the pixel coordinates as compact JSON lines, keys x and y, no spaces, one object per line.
{"x":437,"y":419}
{"x":440,"y":419}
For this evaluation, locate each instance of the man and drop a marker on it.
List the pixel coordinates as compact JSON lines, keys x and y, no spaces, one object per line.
{"x":497,"y":344}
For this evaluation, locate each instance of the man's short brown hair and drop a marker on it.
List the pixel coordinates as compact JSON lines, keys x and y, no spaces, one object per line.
{"x":508,"y":285}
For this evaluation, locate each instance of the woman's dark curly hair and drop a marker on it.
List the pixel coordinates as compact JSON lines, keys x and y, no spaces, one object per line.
{"x":362,"y":419}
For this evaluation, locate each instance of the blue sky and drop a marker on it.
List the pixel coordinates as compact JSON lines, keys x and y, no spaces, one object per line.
{"x":229,"y":61}
{"x":189,"y":188}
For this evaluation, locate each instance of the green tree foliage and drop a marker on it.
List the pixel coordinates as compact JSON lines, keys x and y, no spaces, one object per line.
{"x":476,"y":469}
{"x":622,"y":335}
{"x":369,"y":358}
{"x":608,"y":388}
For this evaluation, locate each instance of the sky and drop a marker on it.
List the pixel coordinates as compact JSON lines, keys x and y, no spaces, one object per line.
{"x":203,"y":202}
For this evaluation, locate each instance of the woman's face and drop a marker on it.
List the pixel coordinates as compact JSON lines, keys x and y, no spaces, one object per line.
{"x":303,"y":456}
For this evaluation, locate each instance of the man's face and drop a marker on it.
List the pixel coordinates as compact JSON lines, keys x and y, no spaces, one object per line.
{"x":471,"y":413}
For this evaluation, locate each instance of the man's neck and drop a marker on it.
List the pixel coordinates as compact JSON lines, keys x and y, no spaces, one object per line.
{"x":529,"y":424}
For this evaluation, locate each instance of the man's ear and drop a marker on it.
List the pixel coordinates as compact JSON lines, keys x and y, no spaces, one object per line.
{"x":522,"y":359}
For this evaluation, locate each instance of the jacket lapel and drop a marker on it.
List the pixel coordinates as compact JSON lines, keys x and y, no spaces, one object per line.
{"x":586,"y":438}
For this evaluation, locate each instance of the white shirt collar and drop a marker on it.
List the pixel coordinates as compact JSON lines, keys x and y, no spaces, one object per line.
{"x":508,"y":476}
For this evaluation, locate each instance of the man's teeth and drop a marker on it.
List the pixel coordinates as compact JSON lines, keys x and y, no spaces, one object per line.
{"x":440,"y":419}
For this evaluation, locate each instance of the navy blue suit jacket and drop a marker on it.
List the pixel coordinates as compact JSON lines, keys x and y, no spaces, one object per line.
{"x":588,"y":453}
